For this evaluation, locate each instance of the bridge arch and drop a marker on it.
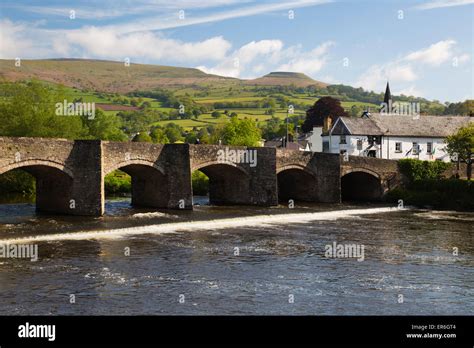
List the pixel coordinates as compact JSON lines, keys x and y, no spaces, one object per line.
{"x":37,"y":162}
{"x":132,"y":162}
{"x":296,"y":182}
{"x":149,"y":182}
{"x":361,"y":184}
{"x":229,"y":183}
{"x":54,"y":183}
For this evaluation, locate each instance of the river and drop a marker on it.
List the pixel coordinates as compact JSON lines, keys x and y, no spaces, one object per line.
{"x":239,"y":261}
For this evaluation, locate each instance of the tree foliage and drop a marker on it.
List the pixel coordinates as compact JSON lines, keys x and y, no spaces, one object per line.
{"x":417,"y":170}
{"x":29,"y":110}
{"x":461,"y":146}
{"x":239,"y":132}
{"x":324,"y":107}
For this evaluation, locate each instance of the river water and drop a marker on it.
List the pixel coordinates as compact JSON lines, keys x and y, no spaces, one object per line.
{"x":239,"y":260}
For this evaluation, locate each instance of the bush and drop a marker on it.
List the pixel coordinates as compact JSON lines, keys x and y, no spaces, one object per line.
{"x":200,"y":183}
{"x":415,"y":170}
{"x":17,"y":181}
{"x":439,"y":194}
{"x":117,"y":182}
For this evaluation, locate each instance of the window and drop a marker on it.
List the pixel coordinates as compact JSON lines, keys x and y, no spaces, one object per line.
{"x":415,"y":149}
{"x":359,"y":144}
{"x":374,"y":139}
{"x":398,"y":147}
{"x":343,"y":139}
{"x":325,"y":146}
{"x":429,"y":147}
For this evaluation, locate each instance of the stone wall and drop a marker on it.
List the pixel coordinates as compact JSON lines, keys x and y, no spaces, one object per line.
{"x":250,"y":180}
{"x":70,"y":174}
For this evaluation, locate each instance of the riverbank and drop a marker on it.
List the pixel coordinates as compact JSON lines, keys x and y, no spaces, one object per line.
{"x":441,"y":194}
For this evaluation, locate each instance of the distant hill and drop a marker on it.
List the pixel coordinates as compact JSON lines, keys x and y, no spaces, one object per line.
{"x":105,"y":76}
{"x":282,"y":78}
{"x":115,"y":77}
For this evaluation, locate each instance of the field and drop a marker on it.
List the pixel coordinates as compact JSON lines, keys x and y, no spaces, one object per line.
{"x":109,"y":84}
{"x":214,"y":95}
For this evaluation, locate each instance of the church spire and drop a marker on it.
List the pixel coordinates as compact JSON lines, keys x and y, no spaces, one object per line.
{"x":388,"y":95}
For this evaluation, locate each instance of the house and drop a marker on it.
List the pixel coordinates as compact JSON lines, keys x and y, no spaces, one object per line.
{"x":314,"y":139}
{"x":393,"y":136}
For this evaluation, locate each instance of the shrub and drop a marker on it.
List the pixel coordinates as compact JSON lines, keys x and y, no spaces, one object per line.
{"x":117,"y":182}
{"x":415,"y":170}
{"x":200,"y":183}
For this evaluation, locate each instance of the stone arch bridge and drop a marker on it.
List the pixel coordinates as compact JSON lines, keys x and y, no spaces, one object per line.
{"x":70,"y":174}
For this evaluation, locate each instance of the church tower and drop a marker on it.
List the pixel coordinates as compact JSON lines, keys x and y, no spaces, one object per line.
{"x":388,"y":96}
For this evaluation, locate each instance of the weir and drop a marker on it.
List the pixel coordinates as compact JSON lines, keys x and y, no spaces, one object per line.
{"x":70,"y":174}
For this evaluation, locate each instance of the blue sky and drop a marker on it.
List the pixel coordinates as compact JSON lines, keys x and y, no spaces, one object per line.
{"x":425,"y":48}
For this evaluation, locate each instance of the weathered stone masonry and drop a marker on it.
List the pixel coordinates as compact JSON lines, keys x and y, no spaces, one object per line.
{"x":70,"y":174}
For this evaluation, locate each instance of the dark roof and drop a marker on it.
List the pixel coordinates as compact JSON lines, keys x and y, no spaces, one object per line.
{"x":402,"y":125}
{"x":273,"y":143}
{"x":359,"y":126}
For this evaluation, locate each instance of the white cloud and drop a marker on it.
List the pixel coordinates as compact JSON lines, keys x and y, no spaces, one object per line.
{"x":376,"y":75}
{"x":12,"y":40}
{"x":464,"y":58}
{"x":105,"y":43}
{"x":22,"y":40}
{"x":409,"y":91}
{"x":173,"y":21}
{"x":246,"y":62}
{"x":443,"y":3}
{"x":104,"y":9}
{"x":308,"y":63}
{"x":409,"y":67}
{"x":242,"y":60}
{"x":253,"y":49}
{"x":434,"y":55}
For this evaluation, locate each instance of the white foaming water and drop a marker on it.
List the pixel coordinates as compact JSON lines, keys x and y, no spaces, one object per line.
{"x":150,"y":215}
{"x":254,"y":221}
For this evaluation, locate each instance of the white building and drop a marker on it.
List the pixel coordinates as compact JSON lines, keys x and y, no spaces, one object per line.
{"x":315,"y":140}
{"x":392,"y":136}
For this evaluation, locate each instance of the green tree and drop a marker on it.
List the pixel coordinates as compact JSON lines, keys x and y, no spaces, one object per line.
{"x":240,"y":132}
{"x":158,"y":135}
{"x":216,"y":114}
{"x":142,"y":138}
{"x":104,"y":126}
{"x":30,"y":110}
{"x":174,"y":133}
{"x":461,"y":146}
{"x":356,"y":110}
